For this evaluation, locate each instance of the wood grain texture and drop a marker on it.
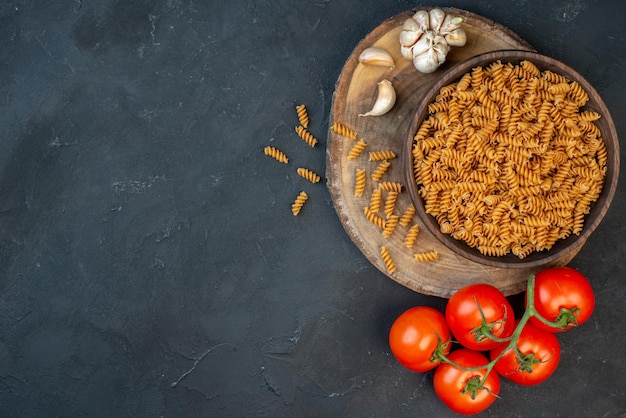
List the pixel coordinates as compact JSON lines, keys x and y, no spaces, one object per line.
{"x":355,"y":94}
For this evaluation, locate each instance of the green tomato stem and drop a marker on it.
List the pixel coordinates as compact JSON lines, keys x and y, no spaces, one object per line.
{"x":513,"y":339}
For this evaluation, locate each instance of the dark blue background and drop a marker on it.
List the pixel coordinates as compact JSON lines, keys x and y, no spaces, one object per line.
{"x":149,"y":262}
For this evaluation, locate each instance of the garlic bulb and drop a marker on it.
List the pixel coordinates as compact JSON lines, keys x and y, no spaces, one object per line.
{"x":385,"y":99}
{"x":376,"y":56}
{"x":427,"y":36}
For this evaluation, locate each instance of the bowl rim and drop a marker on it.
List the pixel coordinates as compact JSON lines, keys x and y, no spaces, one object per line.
{"x":598,"y":208}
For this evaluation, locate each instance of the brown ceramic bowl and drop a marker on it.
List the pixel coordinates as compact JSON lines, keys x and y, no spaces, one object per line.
{"x":598,"y":208}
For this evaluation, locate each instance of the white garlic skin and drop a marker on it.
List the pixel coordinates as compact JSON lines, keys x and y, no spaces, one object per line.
{"x":449,"y":24}
{"x":427,"y":36}
{"x":410,"y":33}
{"x":437,"y":17}
{"x":426,"y":62}
{"x":422,"y":18}
{"x":376,"y":56}
{"x":385,"y":99}
{"x":457,"y":37}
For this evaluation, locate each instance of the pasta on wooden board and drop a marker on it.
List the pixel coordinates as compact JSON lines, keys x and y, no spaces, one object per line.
{"x":343,"y":130}
{"x":390,"y":225}
{"x":356,"y":149}
{"x":427,"y":256}
{"x":394,"y":186}
{"x":374,"y":218}
{"x":386,"y":257}
{"x":376,"y":200}
{"x":359,"y":182}
{"x":390,"y":203}
{"x":380,"y":170}
{"x":407,"y":215}
{"x":382,"y":155}
{"x":411,"y":236}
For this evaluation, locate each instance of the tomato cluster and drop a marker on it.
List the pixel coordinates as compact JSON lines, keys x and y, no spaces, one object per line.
{"x":492,"y":342}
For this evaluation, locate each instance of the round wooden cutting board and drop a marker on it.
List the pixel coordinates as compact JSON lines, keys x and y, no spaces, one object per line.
{"x":355,"y":93}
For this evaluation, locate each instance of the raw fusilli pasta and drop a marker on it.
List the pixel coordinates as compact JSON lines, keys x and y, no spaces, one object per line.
{"x":376,"y":200}
{"x":374,"y":218}
{"x":356,"y":149}
{"x":303,"y":115}
{"x":306,"y":136}
{"x":391,"y":186}
{"x":507,"y":160}
{"x":276,"y":154}
{"x":359,"y":183}
{"x":411,"y":236}
{"x":343,"y":130}
{"x":407,"y":215}
{"x":380,"y":170}
{"x":298,"y":203}
{"x":390,"y":265}
{"x":382,"y":155}
{"x":390,"y":225}
{"x":308,"y":174}
{"x":427,"y":256}
{"x":390,"y":203}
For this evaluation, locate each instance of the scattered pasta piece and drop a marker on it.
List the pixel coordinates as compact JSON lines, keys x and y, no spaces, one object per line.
{"x":374,"y":218}
{"x":359,"y":183}
{"x":380,"y":170}
{"x":343,"y":130}
{"x":376,"y":200}
{"x":303,"y":115}
{"x":411,"y":236}
{"x":357,"y":149}
{"x":298,"y":203}
{"x":390,"y":203}
{"x":276,"y":154}
{"x":382,"y":155}
{"x":407,"y":216}
{"x":306,"y":136}
{"x":308,"y":174}
{"x":390,"y":265}
{"x":390,"y":225}
{"x":427,"y":256}
{"x":391,"y":186}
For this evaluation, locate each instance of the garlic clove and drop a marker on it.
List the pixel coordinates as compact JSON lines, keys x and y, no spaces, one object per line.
{"x":410,"y":33}
{"x":437,"y":17}
{"x":406,"y":51}
{"x":411,"y":24}
{"x":450,"y":23}
{"x":441,"y":49}
{"x":376,"y":56}
{"x":385,"y":99}
{"x":427,"y":62}
{"x":422,"y":19}
{"x":457,"y":37}
{"x":423,"y":45}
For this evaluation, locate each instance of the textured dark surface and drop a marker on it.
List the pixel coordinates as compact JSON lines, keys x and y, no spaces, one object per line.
{"x":149,"y":261}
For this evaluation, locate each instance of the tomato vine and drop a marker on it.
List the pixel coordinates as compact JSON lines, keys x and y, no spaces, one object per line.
{"x":525,"y":350}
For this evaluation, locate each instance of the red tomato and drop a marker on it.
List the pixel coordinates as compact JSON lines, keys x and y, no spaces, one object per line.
{"x":539,"y":354}
{"x":416,"y":334}
{"x":476,"y":310}
{"x":458,"y":388}
{"x":562,"y":294}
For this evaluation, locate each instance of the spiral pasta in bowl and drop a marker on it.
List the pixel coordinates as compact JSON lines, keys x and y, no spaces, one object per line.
{"x":512,"y":159}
